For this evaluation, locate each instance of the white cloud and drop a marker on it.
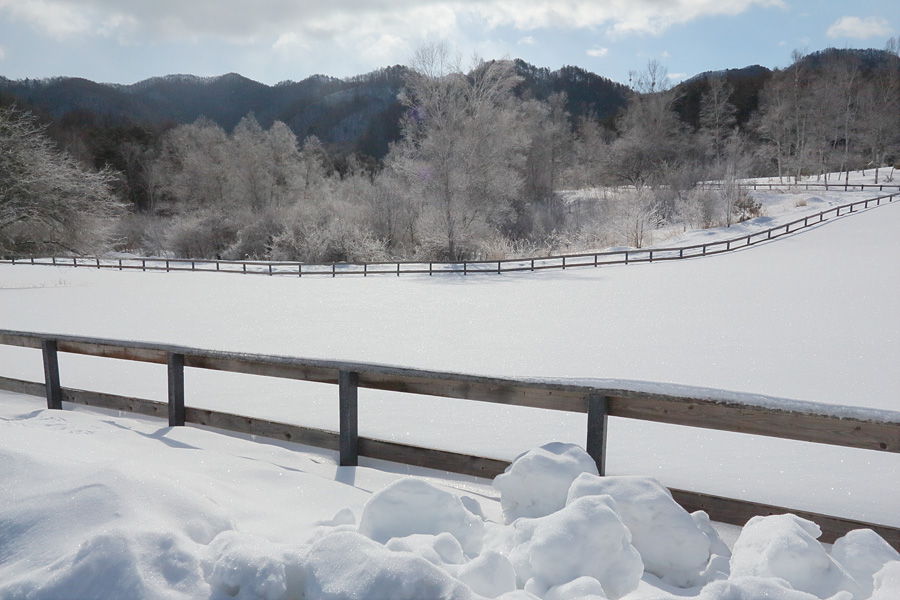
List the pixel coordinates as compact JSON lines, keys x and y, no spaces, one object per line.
{"x":860,"y":29}
{"x":665,"y":54}
{"x":597,"y":52}
{"x":299,"y":35}
{"x":59,"y":20}
{"x":676,"y":76}
{"x":241,"y":21}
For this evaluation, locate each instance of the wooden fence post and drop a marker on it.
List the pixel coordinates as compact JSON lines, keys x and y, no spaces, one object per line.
{"x":176,"y":389}
{"x":348,"y":383}
{"x":51,"y":374}
{"x":597,"y":420}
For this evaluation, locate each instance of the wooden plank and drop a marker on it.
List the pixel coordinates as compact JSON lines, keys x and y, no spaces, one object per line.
{"x":739,"y":418}
{"x":283,"y":369}
{"x":151,"y":408}
{"x":176,"y":389}
{"x":22,"y":340}
{"x":738,"y":512}
{"x":20,"y":386}
{"x":106,"y":349}
{"x":477,"y":388}
{"x":597,"y":427}
{"x":430,"y":458}
{"x":51,"y":374}
{"x":263,"y":427}
{"x":349,"y":424}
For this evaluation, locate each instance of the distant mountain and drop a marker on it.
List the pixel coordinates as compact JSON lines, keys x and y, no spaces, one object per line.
{"x":355,"y":114}
{"x":747,"y":84}
{"x":343,"y":113}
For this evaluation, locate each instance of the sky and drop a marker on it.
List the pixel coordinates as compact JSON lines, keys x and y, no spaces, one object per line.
{"x":125,"y":41}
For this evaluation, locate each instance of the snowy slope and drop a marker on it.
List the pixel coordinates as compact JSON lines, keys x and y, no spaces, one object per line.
{"x":127,"y":507}
{"x":810,"y":317}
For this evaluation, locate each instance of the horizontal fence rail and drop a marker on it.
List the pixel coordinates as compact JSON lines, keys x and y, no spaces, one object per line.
{"x":810,"y":423}
{"x":568,"y":261}
{"x":826,"y":186}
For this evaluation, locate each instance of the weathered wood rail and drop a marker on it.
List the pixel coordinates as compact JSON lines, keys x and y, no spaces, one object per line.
{"x":567,"y":261}
{"x":809,"y":423}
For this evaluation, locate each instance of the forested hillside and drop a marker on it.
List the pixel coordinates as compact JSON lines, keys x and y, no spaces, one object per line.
{"x":436,"y":159}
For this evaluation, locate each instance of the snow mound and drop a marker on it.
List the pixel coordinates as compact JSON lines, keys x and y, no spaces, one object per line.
{"x":670,"y":543}
{"x":863,"y":553}
{"x":887,"y":582}
{"x":442,"y":550}
{"x":346,"y":564}
{"x":537,"y":482}
{"x":490,"y":574}
{"x":585,"y":538}
{"x":100,"y":532}
{"x":786,"y":547}
{"x":411,"y":506}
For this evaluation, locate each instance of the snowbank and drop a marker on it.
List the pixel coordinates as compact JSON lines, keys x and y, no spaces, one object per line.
{"x":92,"y":509}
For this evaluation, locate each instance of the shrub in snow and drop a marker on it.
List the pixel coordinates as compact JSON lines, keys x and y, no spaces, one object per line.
{"x":671,"y":545}
{"x":785,"y":546}
{"x":411,"y":506}
{"x":490,"y":574}
{"x":348,"y":565}
{"x":586,"y":538}
{"x":862,"y":552}
{"x":537,"y":482}
{"x":887,"y":582}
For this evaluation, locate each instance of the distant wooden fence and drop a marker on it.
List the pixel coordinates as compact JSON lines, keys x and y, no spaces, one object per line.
{"x":568,"y":261}
{"x":817,"y":424}
{"x":828,"y":187}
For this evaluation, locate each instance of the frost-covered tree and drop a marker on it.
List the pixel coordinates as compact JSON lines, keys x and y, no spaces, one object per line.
{"x":717,"y":115}
{"x":49,"y":203}
{"x":462,"y":150}
{"x":652,"y":138}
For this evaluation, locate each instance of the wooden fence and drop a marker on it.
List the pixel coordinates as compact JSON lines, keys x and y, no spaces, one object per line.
{"x":568,"y":261}
{"x":817,"y":424}
{"x":828,"y":187}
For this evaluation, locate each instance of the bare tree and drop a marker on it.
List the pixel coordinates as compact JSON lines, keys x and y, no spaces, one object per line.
{"x":717,"y":114}
{"x":48,"y":202}
{"x":880,"y":111}
{"x":463,"y":150}
{"x":652,"y":137}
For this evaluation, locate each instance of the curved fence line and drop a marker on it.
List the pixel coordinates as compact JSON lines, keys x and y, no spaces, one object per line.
{"x":828,"y":187}
{"x":566,"y":261}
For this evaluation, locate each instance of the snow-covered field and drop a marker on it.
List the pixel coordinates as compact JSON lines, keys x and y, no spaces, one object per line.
{"x":124,"y":506}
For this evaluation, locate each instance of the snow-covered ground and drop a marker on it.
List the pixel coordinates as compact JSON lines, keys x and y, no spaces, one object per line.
{"x":809,"y":317}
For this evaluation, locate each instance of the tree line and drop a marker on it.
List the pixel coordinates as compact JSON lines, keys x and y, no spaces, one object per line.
{"x":479,"y":168}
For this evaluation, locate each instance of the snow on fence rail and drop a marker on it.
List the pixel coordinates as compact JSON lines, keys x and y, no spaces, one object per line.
{"x":806,"y":422}
{"x":568,"y":261}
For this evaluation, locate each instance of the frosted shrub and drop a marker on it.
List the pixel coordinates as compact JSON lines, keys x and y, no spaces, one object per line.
{"x":317,"y":238}
{"x":201,"y":235}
